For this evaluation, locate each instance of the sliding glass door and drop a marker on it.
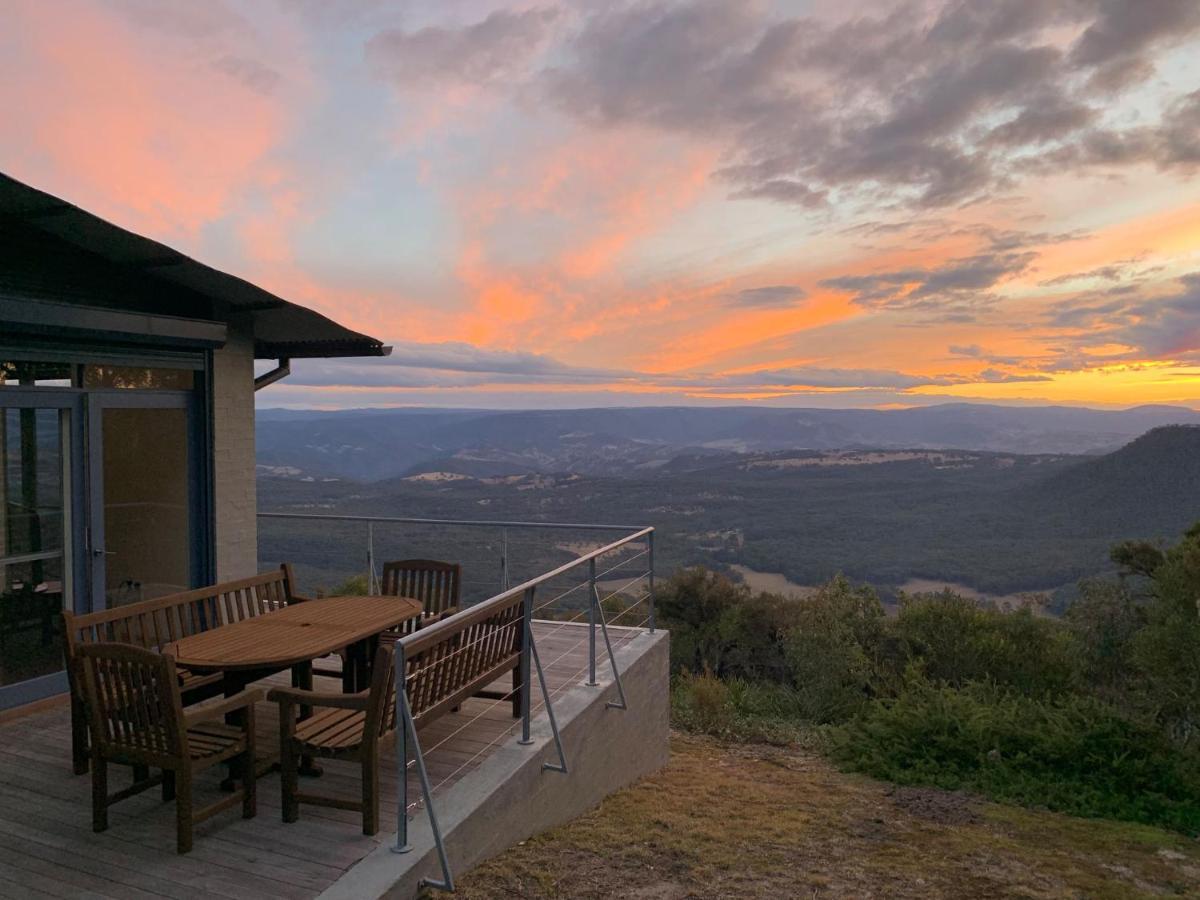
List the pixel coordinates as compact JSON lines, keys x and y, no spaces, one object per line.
{"x":39,"y":509}
{"x":144,"y":480}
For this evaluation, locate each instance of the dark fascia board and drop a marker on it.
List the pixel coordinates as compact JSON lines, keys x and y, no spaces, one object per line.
{"x":229,"y":293}
{"x":317,"y":349}
{"x":44,"y":317}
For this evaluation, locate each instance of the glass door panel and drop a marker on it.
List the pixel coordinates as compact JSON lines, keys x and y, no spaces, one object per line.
{"x":146,"y":546}
{"x":33,"y":542}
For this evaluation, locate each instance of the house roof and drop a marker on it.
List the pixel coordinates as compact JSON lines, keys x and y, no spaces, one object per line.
{"x":281,"y":328}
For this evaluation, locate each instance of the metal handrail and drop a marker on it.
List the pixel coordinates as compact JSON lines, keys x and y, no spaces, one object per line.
{"x":407,"y":744}
{"x":492,"y":523}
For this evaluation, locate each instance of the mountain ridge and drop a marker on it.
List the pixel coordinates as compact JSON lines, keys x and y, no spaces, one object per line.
{"x":377,"y":444}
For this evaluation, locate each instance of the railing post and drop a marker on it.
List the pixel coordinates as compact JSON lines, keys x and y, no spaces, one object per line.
{"x":526,"y":644}
{"x":650,"y":593}
{"x":371,"y":586}
{"x":504,"y":559}
{"x":592,"y":623}
{"x":402,"y":845}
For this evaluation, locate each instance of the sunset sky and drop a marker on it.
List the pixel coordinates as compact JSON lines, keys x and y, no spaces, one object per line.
{"x":597,"y":203}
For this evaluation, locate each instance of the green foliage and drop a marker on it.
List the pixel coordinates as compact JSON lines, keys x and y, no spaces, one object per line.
{"x":832,"y":647}
{"x":1097,"y":713}
{"x":1104,"y":618}
{"x":1071,"y":753}
{"x":1167,"y":649}
{"x":354,"y":586}
{"x":738,"y":710}
{"x":956,"y":640}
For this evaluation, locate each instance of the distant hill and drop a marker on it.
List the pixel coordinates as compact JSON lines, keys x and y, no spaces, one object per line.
{"x":996,"y":522}
{"x":369,"y":445}
{"x":1148,"y":488}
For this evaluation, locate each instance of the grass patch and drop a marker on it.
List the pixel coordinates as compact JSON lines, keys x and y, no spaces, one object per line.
{"x":763,"y":821}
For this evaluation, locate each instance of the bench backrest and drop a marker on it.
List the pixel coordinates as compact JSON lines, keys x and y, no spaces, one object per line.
{"x":434,"y":583}
{"x":451,"y":660}
{"x":153,"y":623}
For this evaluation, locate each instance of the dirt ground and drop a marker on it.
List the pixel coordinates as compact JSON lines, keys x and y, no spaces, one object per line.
{"x":765,"y":822}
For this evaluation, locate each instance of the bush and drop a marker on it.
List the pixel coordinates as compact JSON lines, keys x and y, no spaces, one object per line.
{"x":832,"y":649}
{"x":736,"y":709}
{"x":1104,"y":619}
{"x":955,"y":640}
{"x":1070,"y":753}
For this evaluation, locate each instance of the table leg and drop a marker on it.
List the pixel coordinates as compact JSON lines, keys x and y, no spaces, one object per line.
{"x":350,"y":670}
{"x":302,"y":677}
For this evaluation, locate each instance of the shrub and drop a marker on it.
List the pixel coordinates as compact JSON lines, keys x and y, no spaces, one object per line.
{"x":1104,"y":619}
{"x":956,"y":640}
{"x":1070,"y":753}
{"x":736,"y":709}
{"x":700,"y":607}
{"x":832,"y":648}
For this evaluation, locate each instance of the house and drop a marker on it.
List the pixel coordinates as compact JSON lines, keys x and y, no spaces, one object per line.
{"x":126,"y":420}
{"x":127,"y":472}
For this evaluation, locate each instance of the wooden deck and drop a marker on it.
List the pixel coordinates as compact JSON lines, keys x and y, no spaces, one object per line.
{"x":47,"y":847}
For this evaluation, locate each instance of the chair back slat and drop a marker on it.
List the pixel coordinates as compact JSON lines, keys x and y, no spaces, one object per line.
{"x":132,"y":696}
{"x":436,"y":584}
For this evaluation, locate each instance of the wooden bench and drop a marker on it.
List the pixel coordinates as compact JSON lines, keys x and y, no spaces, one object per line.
{"x":151,"y":624}
{"x":445,"y":663}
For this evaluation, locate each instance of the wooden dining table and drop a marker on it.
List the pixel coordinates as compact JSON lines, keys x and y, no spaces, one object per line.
{"x":292,"y":638}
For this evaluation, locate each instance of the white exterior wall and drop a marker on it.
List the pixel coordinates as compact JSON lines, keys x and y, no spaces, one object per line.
{"x":235,"y":503}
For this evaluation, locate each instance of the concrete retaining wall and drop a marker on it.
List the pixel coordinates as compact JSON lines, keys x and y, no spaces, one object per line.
{"x":510,"y":797}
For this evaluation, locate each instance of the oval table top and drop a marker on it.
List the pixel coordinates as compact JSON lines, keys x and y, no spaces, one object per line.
{"x":294,"y":634}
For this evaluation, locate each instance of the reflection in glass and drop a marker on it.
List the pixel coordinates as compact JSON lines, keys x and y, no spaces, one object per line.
{"x":146,"y":521}
{"x":138,"y":377}
{"x":32,"y":529}
{"x":35,"y":374}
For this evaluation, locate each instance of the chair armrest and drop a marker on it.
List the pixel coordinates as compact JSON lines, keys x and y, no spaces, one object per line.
{"x":300,"y":598}
{"x":211,"y":711}
{"x":318,"y":698}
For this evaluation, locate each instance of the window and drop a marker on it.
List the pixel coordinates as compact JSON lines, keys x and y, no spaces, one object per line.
{"x":139,"y":377}
{"x":36,"y":374}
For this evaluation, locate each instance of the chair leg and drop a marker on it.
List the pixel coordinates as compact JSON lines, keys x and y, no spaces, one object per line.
{"x":288,"y":763}
{"x":168,"y":785}
{"x":79,"y":737}
{"x":183,"y":810}
{"x":249,"y":775}
{"x":370,"y":793}
{"x":99,"y":794}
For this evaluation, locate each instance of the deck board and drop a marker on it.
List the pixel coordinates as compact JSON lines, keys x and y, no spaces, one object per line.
{"x":47,"y":847}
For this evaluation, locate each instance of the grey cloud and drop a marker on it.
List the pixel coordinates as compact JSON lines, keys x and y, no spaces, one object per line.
{"x":494,"y":49}
{"x":454,"y":366}
{"x":1116,"y":42}
{"x":929,"y":104}
{"x":995,"y":376}
{"x":959,"y":286}
{"x":251,"y":73}
{"x":1156,"y":326}
{"x":451,"y":365}
{"x":771,"y":295}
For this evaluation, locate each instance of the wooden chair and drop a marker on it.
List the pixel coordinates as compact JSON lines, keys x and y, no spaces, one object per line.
{"x":136,"y":714}
{"x":342,"y":726}
{"x":436,"y":584}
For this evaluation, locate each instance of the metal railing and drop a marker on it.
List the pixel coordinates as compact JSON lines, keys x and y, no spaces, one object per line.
{"x":607,"y":585}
